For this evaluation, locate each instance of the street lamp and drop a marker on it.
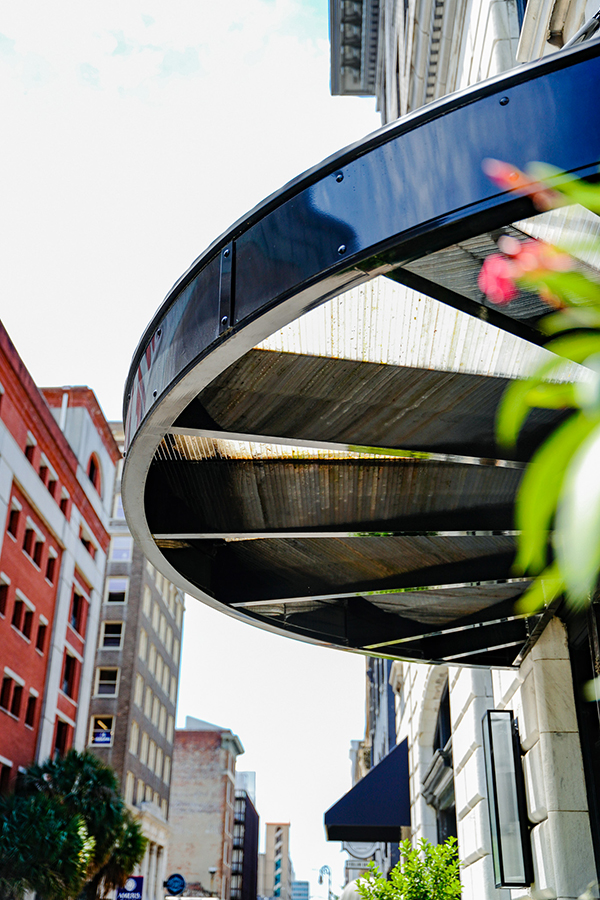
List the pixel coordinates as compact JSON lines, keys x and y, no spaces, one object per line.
{"x":325,"y":870}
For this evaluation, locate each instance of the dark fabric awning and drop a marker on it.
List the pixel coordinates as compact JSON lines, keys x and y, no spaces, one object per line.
{"x":377,"y":806}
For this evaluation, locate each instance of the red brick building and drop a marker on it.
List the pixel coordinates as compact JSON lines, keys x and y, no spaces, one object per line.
{"x":57,"y":465}
{"x":202,"y":813}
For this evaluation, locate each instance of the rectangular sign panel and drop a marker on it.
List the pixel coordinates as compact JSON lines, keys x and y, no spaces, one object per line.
{"x":133,"y":889}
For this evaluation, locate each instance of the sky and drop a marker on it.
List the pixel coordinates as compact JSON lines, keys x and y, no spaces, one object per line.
{"x":133,"y":135}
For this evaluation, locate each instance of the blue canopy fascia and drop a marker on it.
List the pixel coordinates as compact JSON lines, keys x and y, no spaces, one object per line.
{"x":377,"y":807}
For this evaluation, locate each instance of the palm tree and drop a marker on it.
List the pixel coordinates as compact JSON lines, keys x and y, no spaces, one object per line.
{"x":87,"y":791}
{"x":43,"y":848}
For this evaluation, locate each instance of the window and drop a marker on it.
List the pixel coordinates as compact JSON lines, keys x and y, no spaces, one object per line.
{"x":179,"y":615}
{"x":22,"y":617}
{"x":30,"y":447}
{"x":140,"y":791}
{"x":62,"y":738}
{"x":169,"y":640}
{"x":162,"y":721}
{"x":116,"y":590}
{"x":155,"y":616}
{"x":69,"y":680}
{"x":5,"y":773}
{"x":107,"y":682}
{"x":134,"y":738}
{"x":93,"y":472}
{"x":28,"y":540}
{"x":156,"y":798}
{"x":4,"y":583}
{"x":152,"y":658}
{"x":143,"y":645}
{"x":77,"y":611}
{"x":64,"y":503}
{"x":139,"y":691}
{"x":51,"y":566}
{"x":43,"y":470}
{"x":86,"y":540}
{"x":164,"y":808}
{"x":148,"y":703}
{"x":112,"y":635}
{"x":170,"y":725}
{"x":118,"y":511}
{"x":155,"y":711}
{"x":162,"y":628}
{"x":52,"y":485}
{"x":167,"y":770}
{"x":40,"y":641}
{"x":151,"y":755}
{"x":159,"y":668}
{"x":173,"y":692}
{"x":166,"y":680}
{"x":13,"y":519}
{"x":148,"y":794}
{"x":102,"y":731}
{"x":158,"y":766}
{"x":15,"y":703}
{"x":6,"y":692}
{"x":129,"y":787}
{"x":121,"y":549}
{"x":27,"y":624}
{"x":144,"y":748}
{"x":147,"y":602}
{"x":38,"y":548}
{"x":176,"y":650}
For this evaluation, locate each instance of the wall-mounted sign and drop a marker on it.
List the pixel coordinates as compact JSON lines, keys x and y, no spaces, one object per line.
{"x":102,"y":731}
{"x":133,"y":889}
{"x":175,"y":884}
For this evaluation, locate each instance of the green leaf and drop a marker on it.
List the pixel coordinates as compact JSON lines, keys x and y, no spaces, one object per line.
{"x":574,"y":317}
{"x":515,"y":406}
{"x":577,"y":191}
{"x":577,"y":533}
{"x":549,"y":395}
{"x":576,"y":347}
{"x":541,"y":486}
{"x":541,"y":592}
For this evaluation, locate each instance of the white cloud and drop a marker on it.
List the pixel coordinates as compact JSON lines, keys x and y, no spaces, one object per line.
{"x":116,"y":178}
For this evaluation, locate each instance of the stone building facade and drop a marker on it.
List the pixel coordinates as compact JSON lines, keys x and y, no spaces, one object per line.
{"x":134,"y":696}
{"x":426,"y":49}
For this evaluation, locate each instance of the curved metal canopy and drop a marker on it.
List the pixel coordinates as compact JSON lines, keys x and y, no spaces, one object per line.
{"x":310,"y":414}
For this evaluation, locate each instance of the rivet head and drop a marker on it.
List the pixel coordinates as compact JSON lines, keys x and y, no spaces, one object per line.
{"x":159,"y":332}
{"x":224,"y":321}
{"x":226,"y":253}
{"x":503,"y":101}
{"x":155,"y":394}
{"x":339,"y":177}
{"x":342,"y":249}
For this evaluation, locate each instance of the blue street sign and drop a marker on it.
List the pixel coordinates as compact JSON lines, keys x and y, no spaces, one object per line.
{"x":133,"y":889}
{"x":175,"y":884}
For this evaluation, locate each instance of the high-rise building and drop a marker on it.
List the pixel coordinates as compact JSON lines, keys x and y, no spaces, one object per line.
{"x":276,"y":872}
{"x":132,"y":711}
{"x":244,"y":860}
{"x":202,"y":814}
{"x":57,"y":462}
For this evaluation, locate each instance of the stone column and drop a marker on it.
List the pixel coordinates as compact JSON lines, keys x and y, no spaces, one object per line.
{"x":151,"y":892}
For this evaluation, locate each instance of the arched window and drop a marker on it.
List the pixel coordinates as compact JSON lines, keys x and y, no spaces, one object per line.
{"x":93,"y":471}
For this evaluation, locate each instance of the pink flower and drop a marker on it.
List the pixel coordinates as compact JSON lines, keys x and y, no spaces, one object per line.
{"x":512,"y":179}
{"x":497,"y":279}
